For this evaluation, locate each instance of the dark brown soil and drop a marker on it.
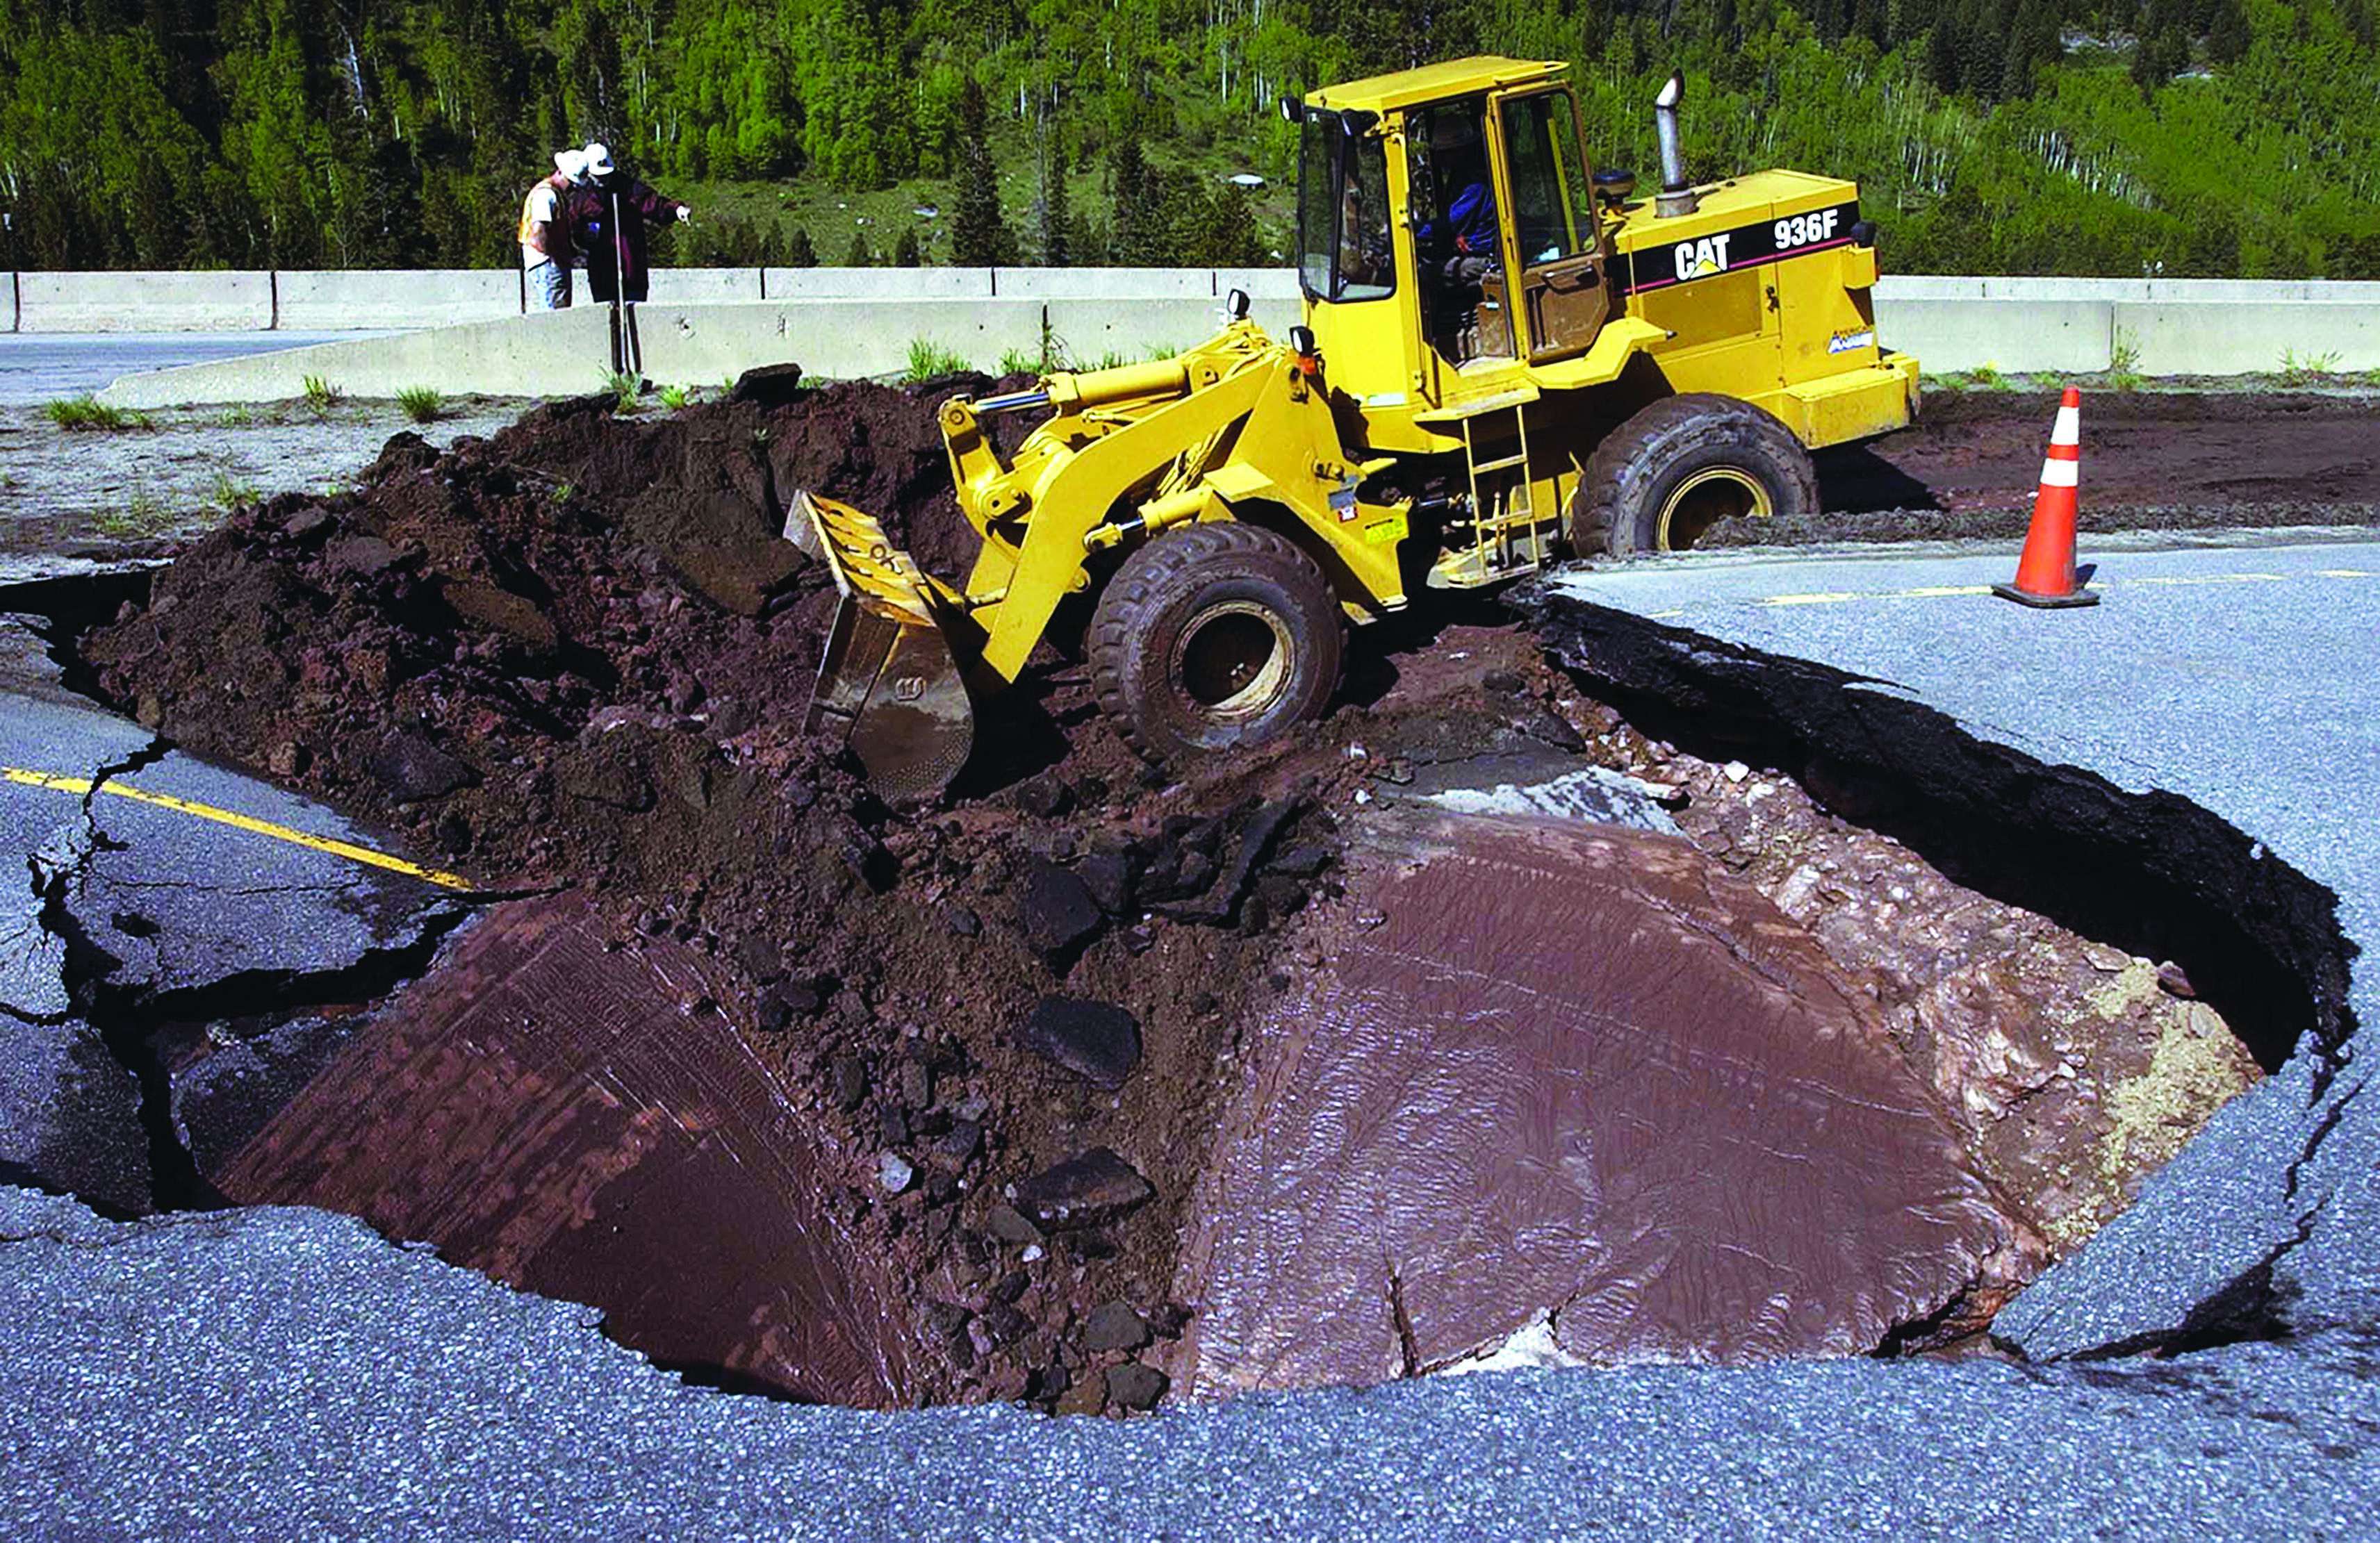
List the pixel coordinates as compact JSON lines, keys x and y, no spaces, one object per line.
{"x":576,"y":654}
{"x":2151,"y":461}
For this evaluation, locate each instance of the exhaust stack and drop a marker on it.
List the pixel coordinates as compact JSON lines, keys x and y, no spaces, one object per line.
{"x":1676,"y":197}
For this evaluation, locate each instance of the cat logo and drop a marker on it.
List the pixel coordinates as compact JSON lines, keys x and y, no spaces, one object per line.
{"x":1698,"y":259}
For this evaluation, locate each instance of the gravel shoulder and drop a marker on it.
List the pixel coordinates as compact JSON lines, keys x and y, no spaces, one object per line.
{"x":82,"y":501}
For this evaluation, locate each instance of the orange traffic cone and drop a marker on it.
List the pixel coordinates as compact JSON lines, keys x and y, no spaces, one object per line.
{"x":2045,"y":575}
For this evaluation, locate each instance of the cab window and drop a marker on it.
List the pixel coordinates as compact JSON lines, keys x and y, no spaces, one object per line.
{"x":1344,"y":251}
{"x":1553,"y":210}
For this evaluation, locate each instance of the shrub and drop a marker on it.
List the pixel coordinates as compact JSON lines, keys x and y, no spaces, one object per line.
{"x":421,"y":404}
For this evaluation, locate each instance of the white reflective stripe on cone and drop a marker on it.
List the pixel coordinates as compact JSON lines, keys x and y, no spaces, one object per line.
{"x":2068,"y":427}
{"x":2061,"y":474}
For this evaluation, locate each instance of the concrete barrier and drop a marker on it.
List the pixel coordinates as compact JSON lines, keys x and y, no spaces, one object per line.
{"x":1958,"y":324}
{"x":835,"y":339}
{"x":858,"y":284}
{"x":121,"y":302}
{"x":2045,"y":325}
{"x":703,"y":286}
{"x":1129,"y":285}
{"x":1107,"y":331}
{"x":354,"y":300}
{"x":565,"y":352}
{"x":2163,"y":326}
{"x":2219,"y":336}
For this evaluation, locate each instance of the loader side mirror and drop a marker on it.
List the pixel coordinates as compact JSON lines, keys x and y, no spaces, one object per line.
{"x":1292,"y":110}
{"x":1235,"y":305}
{"x":1309,"y":357}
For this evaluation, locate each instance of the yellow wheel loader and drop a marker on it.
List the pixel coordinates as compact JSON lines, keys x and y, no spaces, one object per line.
{"x":1506,"y":357}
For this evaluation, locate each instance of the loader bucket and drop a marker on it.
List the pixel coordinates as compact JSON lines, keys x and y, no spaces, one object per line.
{"x":889,"y":685}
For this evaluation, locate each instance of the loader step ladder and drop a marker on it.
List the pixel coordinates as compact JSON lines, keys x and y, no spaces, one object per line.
{"x":1507,"y":537}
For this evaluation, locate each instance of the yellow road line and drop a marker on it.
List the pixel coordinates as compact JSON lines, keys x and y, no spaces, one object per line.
{"x":82,"y":785}
{"x":1829,"y":598}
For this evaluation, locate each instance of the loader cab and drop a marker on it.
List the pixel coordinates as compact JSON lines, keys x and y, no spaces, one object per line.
{"x":1448,"y":234}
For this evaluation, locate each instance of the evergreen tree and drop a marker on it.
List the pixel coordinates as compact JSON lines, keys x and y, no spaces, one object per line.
{"x":1942,"y":57}
{"x":859,"y":256}
{"x":1052,"y":226}
{"x":2227,"y":33}
{"x":904,"y":250}
{"x":799,"y":253}
{"x":980,"y":236}
{"x":1129,"y":238}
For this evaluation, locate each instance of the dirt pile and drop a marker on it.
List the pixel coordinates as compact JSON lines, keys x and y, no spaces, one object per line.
{"x":575,"y":654}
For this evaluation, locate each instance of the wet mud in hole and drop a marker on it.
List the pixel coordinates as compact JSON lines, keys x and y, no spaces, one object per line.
{"x":1010,"y":1058}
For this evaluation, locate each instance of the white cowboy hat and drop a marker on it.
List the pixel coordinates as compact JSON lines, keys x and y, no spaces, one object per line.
{"x":571,"y":164}
{"x":599,"y":160}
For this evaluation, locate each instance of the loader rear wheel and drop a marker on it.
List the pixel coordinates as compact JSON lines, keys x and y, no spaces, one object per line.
{"x":1681,"y":466}
{"x":1214,"y":637}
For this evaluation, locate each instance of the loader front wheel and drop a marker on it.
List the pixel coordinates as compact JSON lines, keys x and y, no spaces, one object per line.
{"x":1663,"y":478}
{"x":1214,"y":637}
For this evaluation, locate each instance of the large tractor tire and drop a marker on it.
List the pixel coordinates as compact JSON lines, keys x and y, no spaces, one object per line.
{"x":1213,"y":637}
{"x":1679,"y":466}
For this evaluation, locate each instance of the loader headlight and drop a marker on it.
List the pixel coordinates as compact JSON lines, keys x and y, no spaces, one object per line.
{"x":1235,"y":305}
{"x":1292,"y":110}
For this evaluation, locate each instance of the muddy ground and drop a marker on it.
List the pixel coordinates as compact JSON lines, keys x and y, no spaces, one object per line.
{"x":571,"y":655}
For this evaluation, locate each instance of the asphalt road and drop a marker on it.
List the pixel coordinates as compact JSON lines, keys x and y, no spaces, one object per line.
{"x":173,"y":879}
{"x":233,"y":1374}
{"x":42,"y":367}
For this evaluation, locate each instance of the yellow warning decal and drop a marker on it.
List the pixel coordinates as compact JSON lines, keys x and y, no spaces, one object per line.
{"x":1390,"y":530}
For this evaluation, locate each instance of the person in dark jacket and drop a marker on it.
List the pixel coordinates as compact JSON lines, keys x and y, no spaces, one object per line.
{"x":609,"y":213}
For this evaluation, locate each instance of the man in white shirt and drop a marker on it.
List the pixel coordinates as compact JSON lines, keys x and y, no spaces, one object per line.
{"x":545,"y":232}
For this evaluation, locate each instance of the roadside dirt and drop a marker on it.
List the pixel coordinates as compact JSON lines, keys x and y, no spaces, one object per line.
{"x":2151,"y":461}
{"x":574,"y":654}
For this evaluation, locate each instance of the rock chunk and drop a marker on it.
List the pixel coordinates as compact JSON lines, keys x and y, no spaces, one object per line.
{"x":414,"y":770}
{"x":1134,"y":1386}
{"x":1082,"y":1191}
{"x":1114,"y":1325}
{"x":1056,"y":910}
{"x":1009,"y":1226}
{"x":1096,"y":1040}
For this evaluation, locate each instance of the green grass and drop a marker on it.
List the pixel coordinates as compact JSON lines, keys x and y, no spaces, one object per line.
{"x":421,"y":404}
{"x":237,"y":415}
{"x":930,"y":361}
{"x":624,"y":385}
{"x":87,"y":413}
{"x":2124,"y":362}
{"x":143,"y":515}
{"x":2296,"y":372}
{"x":227,"y":494}
{"x":677,"y":397}
{"x":321,"y":396}
{"x":1017,"y":362}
